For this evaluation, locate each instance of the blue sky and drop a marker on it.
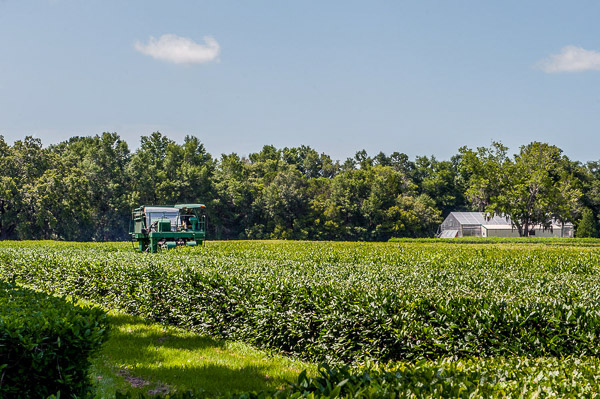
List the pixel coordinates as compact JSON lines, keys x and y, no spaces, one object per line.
{"x":419,"y":77}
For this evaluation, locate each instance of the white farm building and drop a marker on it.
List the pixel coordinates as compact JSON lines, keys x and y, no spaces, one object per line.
{"x":475,"y":224}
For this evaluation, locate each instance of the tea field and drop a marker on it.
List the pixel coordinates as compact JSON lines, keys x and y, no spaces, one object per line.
{"x":415,"y":318}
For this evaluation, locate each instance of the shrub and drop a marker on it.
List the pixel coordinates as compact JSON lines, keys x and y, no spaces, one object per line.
{"x":45,"y":344}
{"x":444,"y":378}
{"x":587,"y":227}
{"x":344,"y":302}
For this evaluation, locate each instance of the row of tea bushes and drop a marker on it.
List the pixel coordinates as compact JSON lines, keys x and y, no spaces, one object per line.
{"x":553,"y":241}
{"x":45,"y":344}
{"x":341,"y":302}
{"x":473,"y":379}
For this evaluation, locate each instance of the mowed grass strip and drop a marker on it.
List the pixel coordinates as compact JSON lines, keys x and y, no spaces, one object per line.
{"x":141,"y":356}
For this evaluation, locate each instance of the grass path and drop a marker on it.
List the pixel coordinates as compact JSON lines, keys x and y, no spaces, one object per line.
{"x":152,"y":358}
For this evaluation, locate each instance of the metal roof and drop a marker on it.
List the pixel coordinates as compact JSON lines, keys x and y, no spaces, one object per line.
{"x":161,"y":209}
{"x":448,"y":234}
{"x":479,"y":218}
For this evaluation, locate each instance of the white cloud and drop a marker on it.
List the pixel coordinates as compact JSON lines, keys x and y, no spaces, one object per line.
{"x":180,"y":50}
{"x":571,"y":59}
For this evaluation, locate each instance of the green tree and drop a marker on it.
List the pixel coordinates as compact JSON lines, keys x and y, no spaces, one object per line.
{"x":411,"y":217}
{"x":385,"y":185}
{"x":343,"y":216}
{"x":27,"y":163}
{"x":587,"y":226}
{"x":194,"y":172}
{"x":482,"y":169}
{"x":103,"y":161}
{"x":534,"y":188}
{"x":231,"y":211}
{"x":285,"y":204}
{"x":309,"y":162}
{"x":440,"y":181}
{"x":148,"y":174}
{"x":60,"y":208}
{"x":589,"y":174}
{"x":10,"y":200}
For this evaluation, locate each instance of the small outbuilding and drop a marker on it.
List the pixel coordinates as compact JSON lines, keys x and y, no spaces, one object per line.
{"x":476,"y":224}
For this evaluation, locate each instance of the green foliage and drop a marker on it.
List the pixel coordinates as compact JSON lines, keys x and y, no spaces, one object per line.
{"x":201,"y":394}
{"x":534,"y":188}
{"x":343,"y":302}
{"x":445,"y":378}
{"x":522,"y":241}
{"x":587,"y":227}
{"x":430,"y":318}
{"x":84,"y":189}
{"x":45,"y":344}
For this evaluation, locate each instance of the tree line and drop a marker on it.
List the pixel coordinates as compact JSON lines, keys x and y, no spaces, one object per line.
{"x":85,"y":188}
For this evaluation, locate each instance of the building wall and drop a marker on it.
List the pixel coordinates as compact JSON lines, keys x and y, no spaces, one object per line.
{"x":538,"y":233}
{"x":502,"y":233}
{"x":469,"y":230}
{"x":450,"y":223}
{"x":556,"y":232}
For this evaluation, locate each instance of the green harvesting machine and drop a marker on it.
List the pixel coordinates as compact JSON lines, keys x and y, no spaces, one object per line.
{"x":167,"y":226}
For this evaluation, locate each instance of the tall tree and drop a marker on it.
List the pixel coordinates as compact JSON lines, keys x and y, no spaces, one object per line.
{"x":148,"y":171}
{"x":231,"y":211}
{"x":10,"y":195}
{"x":482,"y":169}
{"x":285,"y":203}
{"x":440,"y":181}
{"x":534,"y":188}
{"x":587,"y":226}
{"x":103,"y":161}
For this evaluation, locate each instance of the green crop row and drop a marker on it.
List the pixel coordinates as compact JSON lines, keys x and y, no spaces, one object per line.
{"x":341,"y":302}
{"x":444,"y":378}
{"x":45,"y":344}
{"x":552,"y":241}
{"x":474,"y":378}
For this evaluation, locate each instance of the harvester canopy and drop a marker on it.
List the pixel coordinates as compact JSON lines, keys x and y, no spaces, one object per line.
{"x":190,"y":206}
{"x":154,"y":213}
{"x":168,"y":226}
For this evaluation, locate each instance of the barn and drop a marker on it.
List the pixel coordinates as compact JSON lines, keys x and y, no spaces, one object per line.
{"x":476,"y":224}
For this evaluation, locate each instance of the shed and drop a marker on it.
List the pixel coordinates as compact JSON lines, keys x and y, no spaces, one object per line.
{"x":476,"y":224}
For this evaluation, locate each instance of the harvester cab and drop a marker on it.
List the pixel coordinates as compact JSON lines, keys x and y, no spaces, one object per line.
{"x":168,"y":226}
